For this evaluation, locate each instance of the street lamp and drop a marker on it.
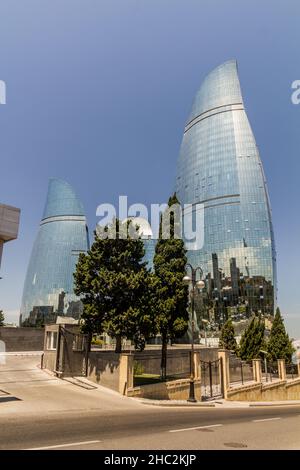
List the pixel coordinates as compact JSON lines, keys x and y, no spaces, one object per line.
{"x":200,"y":284}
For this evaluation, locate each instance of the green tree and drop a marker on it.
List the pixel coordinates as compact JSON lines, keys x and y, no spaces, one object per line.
{"x":116,"y":289}
{"x":169,"y":266}
{"x":252,"y":340}
{"x":1,"y":318}
{"x":227,"y":338}
{"x":279,"y":345}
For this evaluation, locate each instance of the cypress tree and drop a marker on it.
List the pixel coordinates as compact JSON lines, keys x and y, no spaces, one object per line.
{"x":172,"y":295}
{"x":1,"y":318}
{"x":227,"y":338}
{"x":252,"y":340}
{"x":279,"y":345}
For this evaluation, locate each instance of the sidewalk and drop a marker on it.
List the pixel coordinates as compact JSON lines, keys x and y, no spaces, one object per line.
{"x":216,"y":403}
{"x":220,"y":403}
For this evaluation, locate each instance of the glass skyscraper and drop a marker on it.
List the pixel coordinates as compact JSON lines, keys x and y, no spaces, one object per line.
{"x":219,"y":166}
{"x":63,"y":234}
{"x":145,"y":231}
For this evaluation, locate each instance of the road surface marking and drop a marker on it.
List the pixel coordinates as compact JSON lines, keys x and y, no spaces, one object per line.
{"x":266,"y":419}
{"x":64,"y":445}
{"x":196,"y":427}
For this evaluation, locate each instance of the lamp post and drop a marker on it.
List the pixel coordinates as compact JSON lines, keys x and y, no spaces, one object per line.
{"x":191,"y":281}
{"x":265,"y":362}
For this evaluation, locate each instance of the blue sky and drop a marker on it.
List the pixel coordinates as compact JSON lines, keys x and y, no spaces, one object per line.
{"x":98,"y":92}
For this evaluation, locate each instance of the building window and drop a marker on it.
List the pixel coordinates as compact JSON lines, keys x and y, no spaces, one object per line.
{"x":51,"y":342}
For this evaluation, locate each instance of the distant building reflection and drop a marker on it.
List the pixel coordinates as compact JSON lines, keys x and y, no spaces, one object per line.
{"x":236,"y":296}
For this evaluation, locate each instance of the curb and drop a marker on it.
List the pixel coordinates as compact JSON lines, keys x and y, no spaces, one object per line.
{"x":253,"y":405}
{"x":21,"y":353}
{"x":226,"y":405}
{"x":183,"y":404}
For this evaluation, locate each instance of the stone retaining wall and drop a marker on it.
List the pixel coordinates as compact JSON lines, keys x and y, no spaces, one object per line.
{"x":21,"y":339}
{"x":173,"y":390}
{"x":278,"y":390}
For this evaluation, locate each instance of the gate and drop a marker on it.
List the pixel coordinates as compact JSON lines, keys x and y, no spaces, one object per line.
{"x":210,"y":380}
{"x":72,"y":353}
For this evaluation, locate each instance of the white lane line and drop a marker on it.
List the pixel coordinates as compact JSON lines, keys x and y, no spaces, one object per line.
{"x":64,"y":445}
{"x":266,"y":419}
{"x":196,"y":427}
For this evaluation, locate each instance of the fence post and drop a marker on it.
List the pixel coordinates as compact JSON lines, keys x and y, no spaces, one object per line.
{"x":59,"y":351}
{"x":257,"y":373}
{"x":281,"y":369}
{"x":125,"y":373}
{"x":223,"y":355}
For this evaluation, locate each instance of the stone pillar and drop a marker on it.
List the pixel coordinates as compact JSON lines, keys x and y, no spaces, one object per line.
{"x":223,"y":355}
{"x":125,"y":373}
{"x":298,"y":365}
{"x":257,"y":373}
{"x":2,"y":350}
{"x":197,"y":367}
{"x":281,"y":369}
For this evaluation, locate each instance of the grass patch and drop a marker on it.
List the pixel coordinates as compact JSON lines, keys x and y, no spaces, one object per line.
{"x":147,"y":379}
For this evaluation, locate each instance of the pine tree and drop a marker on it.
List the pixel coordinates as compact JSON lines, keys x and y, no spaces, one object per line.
{"x":227,"y":338}
{"x":252,"y":340}
{"x":2,"y":318}
{"x":172,"y":295}
{"x":116,"y":289}
{"x":279,"y":345}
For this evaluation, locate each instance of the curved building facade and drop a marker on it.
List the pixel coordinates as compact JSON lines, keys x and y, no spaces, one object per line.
{"x":145,"y":231}
{"x":220,"y":168}
{"x":63,"y":234}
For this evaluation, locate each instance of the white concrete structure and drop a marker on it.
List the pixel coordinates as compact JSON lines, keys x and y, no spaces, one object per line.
{"x":9,"y":224}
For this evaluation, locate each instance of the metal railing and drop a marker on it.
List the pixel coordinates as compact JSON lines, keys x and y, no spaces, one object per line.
{"x":210,"y":379}
{"x":240,"y":371}
{"x":270,"y":371}
{"x":147,"y":369}
{"x":291,"y":371}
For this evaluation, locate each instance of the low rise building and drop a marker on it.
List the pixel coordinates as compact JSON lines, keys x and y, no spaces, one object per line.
{"x":9,"y":225}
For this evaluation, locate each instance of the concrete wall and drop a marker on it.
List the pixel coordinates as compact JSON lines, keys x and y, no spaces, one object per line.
{"x":49,"y":360}
{"x":293,"y":389}
{"x":22,"y":339}
{"x":277,"y":390}
{"x":9,"y":222}
{"x":115,"y":371}
{"x":173,"y":390}
{"x":208,"y":354}
{"x":178,"y":359}
{"x":104,"y":368}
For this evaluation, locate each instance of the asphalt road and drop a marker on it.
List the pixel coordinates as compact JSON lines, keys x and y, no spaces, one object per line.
{"x":45,"y":412}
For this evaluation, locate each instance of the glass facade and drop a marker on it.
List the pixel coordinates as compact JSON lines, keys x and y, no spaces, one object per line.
{"x":219,"y":166}
{"x":149,"y":244}
{"x":63,"y":234}
{"x":145,"y":231}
